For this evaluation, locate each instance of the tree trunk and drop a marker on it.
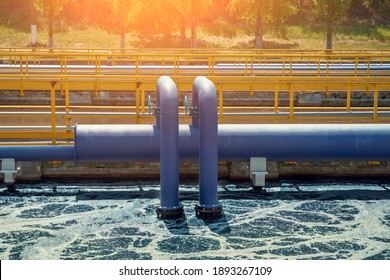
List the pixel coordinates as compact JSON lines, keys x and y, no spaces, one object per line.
{"x":33,"y":19}
{"x":182,"y":30}
{"x":122,"y":31}
{"x":329,"y":34}
{"x":193,"y":32}
{"x":51,"y":28}
{"x":50,"y":22}
{"x":123,"y":39}
{"x":259,"y":31}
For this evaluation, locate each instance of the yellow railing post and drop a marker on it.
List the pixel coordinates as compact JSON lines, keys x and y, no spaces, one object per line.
{"x":376,"y":99}
{"x":61,"y":62}
{"x":209,"y":66}
{"x":96,"y":65}
{"x":246,"y":66}
{"x":26,"y":64}
{"x":348,"y":102}
{"x":99,"y":64}
{"x":142,"y":101}
{"x":327,"y":66}
{"x":319,"y":67}
{"x":213,"y":66}
{"x":220,"y":100}
{"x":65,"y":65}
{"x":53,"y":113}
{"x":67,"y":119}
{"x":175,"y":66}
{"x":21,"y":64}
{"x":291,"y":103}
{"x":356,"y":66}
{"x":137,"y":103}
{"x":276,"y":103}
{"x":251,"y":65}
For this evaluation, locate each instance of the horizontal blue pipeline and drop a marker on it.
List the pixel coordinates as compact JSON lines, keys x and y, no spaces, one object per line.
{"x":297,"y":142}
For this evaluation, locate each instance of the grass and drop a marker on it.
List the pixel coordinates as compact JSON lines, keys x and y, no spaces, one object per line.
{"x":217,"y":34}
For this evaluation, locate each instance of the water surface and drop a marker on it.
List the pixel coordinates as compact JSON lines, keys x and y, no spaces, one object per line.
{"x":290,"y":220}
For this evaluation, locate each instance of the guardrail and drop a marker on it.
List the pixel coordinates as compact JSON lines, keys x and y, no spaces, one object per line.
{"x":189,"y":50}
{"x":245,"y":62}
{"x":136,"y":71}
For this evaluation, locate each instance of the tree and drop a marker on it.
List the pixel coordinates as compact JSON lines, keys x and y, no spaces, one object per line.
{"x":121,"y":9}
{"x":259,"y":11}
{"x":330,"y":10}
{"x":379,"y":9}
{"x":193,"y":9}
{"x":153,"y":16}
{"x":50,"y":9}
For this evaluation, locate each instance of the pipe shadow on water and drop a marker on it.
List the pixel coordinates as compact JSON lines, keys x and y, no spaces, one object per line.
{"x":219,"y":226}
{"x":188,"y":195}
{"x":178,"y":226}
{"x":118,"y":195}
{"x":294,"y":189}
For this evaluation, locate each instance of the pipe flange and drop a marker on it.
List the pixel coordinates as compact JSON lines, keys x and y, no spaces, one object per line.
{"x":208,"y":213}
{"x":169,"y":214}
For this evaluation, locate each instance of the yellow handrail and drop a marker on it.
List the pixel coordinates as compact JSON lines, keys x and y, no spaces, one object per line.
{"x":247,"y":79}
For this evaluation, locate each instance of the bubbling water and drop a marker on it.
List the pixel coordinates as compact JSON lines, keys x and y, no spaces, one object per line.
{"x":290,"y":220}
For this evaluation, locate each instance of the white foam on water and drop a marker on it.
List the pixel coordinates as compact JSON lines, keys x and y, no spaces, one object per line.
{"x":292,"y":221}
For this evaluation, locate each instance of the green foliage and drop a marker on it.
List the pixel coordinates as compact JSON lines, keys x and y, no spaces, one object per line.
{"x":332,"y":9}
{"x":260,"y":11}
{"x":164,"y":16}
{"x":298,"y":37}
{"x":50,"y":7}
{"x":272,"y":10}
{"x":11,"y":11}
{"x":221,"y":28}
{"x":159,"y":18}
{"x":222,"y":22}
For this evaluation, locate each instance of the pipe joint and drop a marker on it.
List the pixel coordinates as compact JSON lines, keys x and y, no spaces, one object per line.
{"x":169,"y":214}
{"x":208,"y":213}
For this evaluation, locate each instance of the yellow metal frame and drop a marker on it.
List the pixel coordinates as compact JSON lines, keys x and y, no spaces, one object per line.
{"x":180,"y":57}
{"x":245,"y":81}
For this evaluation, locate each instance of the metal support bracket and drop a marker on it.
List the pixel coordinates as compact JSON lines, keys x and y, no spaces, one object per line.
{"x":150,"y":106}
{"x":258,"y":167}
{"x":186,"y":105}
{"x":193,"y":111}
{"x":8,"y":168}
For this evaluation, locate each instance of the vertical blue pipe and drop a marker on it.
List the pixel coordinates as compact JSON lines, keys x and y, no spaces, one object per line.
{"x":167,"y":114}
{"x":204,"y":99}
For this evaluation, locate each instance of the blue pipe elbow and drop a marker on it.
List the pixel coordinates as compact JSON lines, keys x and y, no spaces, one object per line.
{"x":168,"y":121}
{"x":204,"y":99}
